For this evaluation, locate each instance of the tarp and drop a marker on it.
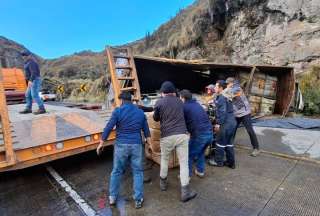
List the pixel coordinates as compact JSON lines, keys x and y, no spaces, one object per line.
{"x":289,"y":123}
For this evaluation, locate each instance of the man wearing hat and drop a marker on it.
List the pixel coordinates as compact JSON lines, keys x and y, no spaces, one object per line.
{"x":32,"y":73}
{"x":242,"y":112}
{"x":129,"y":121}
{"x":169,"y":111}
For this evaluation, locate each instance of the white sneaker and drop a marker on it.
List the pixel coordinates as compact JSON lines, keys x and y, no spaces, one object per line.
{"x":199,"y":174}
{"x":112,"y":200}
{"x":255,"y":152}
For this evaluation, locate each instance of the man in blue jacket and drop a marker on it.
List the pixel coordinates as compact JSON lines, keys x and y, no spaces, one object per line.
{"x":129,"y":121}
{"x":225,"y":127}
{"x":200,"y":129}
{"x":32,"y":73}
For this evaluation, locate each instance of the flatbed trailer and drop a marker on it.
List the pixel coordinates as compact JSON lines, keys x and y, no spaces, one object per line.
{"x":39,"y":139}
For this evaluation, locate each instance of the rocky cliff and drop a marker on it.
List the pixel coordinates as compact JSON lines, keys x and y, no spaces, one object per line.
{"x":279,"y":32}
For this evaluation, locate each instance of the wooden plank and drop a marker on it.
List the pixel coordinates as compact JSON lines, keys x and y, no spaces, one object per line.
{"x":5,"y":123}
{"x":128,"y":89}
{"x":121,"y":56}
{"x":114,"y":80}
{"x":290,"y":97}
{"x":136,"y":85}
{"x":126,"y":78}
{"x":248,"y":87}
{"x":124,"y":67}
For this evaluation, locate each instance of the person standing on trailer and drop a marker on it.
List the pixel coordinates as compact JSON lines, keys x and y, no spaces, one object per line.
{"x":224,"y":128}
{"x":169,"y":111}
{"x":32,"y":73}
{"x":129,"y":121}
{"x":242,"y":112}
{"x":200,"y":129}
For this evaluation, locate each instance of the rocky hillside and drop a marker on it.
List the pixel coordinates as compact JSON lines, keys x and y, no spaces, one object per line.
{"x":10,"y":53}
{"x":279,"y":32}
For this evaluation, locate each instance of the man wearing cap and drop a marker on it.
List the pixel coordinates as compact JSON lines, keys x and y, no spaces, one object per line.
{"x":242,"y":112}
{"x":32,"y":73}
{"x":129,"y":121}
{"x":169,"y":111}
{"x":200,"y":129}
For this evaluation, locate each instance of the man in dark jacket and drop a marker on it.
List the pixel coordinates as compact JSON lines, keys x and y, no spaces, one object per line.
{"x":32,"y":73}
{"x":200,"y":129}
{"x":129,"y":121}
{"x":242,"y":112}
{"x":169,"y":111}
{"x":225,"y":127}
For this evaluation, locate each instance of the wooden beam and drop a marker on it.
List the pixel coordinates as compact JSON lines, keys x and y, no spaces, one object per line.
{"x":249,"y":84}
{"x":5,"y":123}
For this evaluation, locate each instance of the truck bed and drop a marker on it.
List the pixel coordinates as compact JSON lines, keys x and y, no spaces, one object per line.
{"x":59,"y":124}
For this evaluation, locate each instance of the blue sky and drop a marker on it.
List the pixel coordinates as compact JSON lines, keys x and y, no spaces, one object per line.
{"x":52,"y":28}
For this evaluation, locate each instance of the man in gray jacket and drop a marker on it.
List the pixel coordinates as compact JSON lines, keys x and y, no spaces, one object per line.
{"x":242,"y":112}
{"x":169,"y":111}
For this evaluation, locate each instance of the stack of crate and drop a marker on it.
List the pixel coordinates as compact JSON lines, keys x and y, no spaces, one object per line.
{"x":263,"y":94}
{"x":153,"y":151}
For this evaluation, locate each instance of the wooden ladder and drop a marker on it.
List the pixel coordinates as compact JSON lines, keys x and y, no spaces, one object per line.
{"x":5,"y":130}
{"x":123,"y":73}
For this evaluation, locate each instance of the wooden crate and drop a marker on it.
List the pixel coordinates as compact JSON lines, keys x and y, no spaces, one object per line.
{"x":156,"y":157}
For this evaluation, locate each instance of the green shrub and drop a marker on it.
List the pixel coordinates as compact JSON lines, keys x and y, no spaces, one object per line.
{"x":309,"y":85}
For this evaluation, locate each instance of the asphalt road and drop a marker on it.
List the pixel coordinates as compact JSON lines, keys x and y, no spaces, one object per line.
{"x":266,"y":185}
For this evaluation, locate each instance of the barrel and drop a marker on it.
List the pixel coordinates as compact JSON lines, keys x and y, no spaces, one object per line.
{"x":267,"y":106}
{"x":258,"y":83}
{"x":270,"y":89}
{"x":255,"y":102}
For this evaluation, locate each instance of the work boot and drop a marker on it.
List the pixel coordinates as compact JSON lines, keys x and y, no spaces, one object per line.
{"x":187,"y":194}
{"x":26,"y":111}
{"x":231,"y":166}
{"x":146,"y":179}
{"x":163,"y":184}
{"x":40,"y":111}
{"x":255,"y":153}
{"x":139,"y":203}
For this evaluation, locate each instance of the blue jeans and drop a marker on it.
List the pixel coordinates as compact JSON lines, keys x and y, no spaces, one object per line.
{"x":125,"y":154}
{"x":32,"y":93}
{"x":197,"y":147}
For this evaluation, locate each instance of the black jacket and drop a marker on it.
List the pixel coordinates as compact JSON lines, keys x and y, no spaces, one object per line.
{"x":169,"y":111}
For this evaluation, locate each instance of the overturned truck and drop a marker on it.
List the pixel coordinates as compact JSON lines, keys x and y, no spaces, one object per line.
{"x":270,"y":88}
